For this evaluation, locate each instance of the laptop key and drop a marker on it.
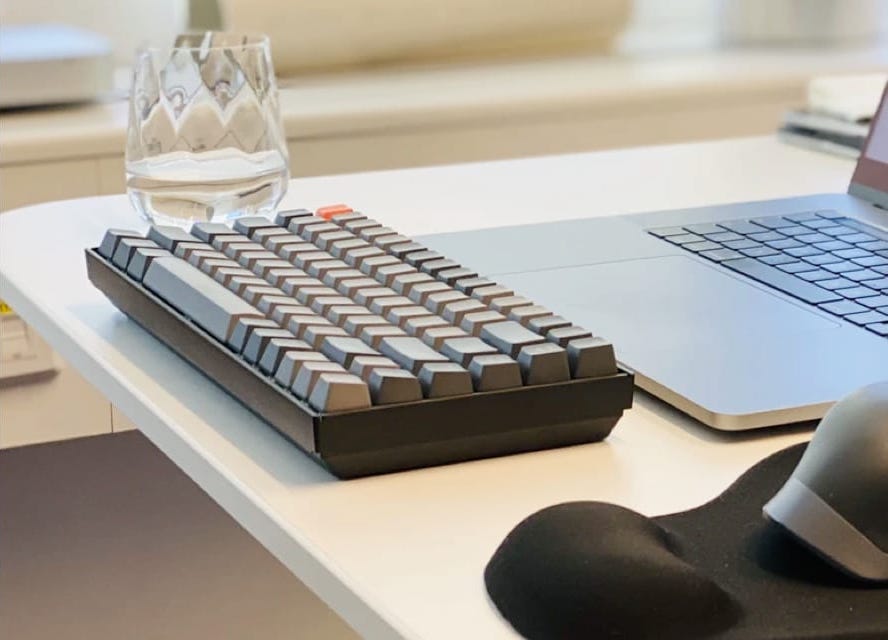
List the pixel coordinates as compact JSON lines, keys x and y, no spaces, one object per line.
{"x":759,"y":252}
{"x":781,"y":281}
{"x":743,"y":227}
{"x":742,"y":244}
{"x":875,"y":245}
{"x":717,"y":255}
{"x":881,"y":285}
{"x":796,"y":267}
{"x":835,"y":283}
{"x":874,"y":302}
{"x":702,"y":228}
{"x":665,"y":232}
{"x":855,"y":293}
{"x":780,"y":259}
{"x":774,"y":222}
{"x":852,"y":253}
{"x":802,"y":252}
{"x":843,"y":307}
{"x":821,"y":259}
{"x":870,"y":261}
{"x":842,"y":267}
{"x":832,"y":245}
{"x":863,"y":275}
{"x":785,"y":243}
{"x":867,"y":317}
{"x":766,"y":236}
{"x":817,"y":274}
{"x":696,"y":247}
{"x":880,"y":328}
{"x":723,"y":236}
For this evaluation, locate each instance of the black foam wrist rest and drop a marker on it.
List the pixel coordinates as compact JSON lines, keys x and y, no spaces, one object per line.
{"x":597,"y":570}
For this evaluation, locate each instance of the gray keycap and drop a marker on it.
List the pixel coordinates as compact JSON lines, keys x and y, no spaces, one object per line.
{"x":333,"y":277}
{"x":339,"y":314}
{"x":562,"y":335}
{"x":315,"y":334}
{"x":355,"y":226}
{"x":277,"y":277}
{"x":488,"y":293}
{"x":167,"y":236}
{"x":387,"y":242}
{"x":473,"y":322}
{"x":210,"y":305}
{"x":443,"y":379}
{"x":435,"y":336}
{"x":374,"y":334}
{"x":248,"y":224}
{"x":268,"y":303}
{"x":211,"y":265}
{"x":362,"y":366}
{"x":344,"y":349}
{"x":299,"y":324}
{"x":305,"y":260}
{"x":411,"y":353}
{"x":320,"y":268}
{"x":523,"y":315}
{"x":325,"y":240}
{"x":305,"y":295}
{"x":207,"y":231}
{"x":454,"y":275}
{"x":111,"y":238}
{"x":468,"y":284}
{"x":543,"y":363}
{"x":198,"y":257}
{"x":355,"y":324}
{"x":275,"y":349}
{"x":140,"y":260}
{"x":390,"y":386}
{"x":343,"y":249}
{"x":264,"y":236}
{"x":322,"y":304}
{"x":308,"y":375}
{"x":454,"y":312}
{"x":292,"y":285}
{"x":386,"y":274}
{"x":252,"y":293}
{"x":311,"y":232}
{"x":435,"y":267}
{"x":127,"y":247}
{"x":336,"y":392}
{"x":282,"y":314}
{"x":405,"y":282}
{"x":352,"y":285}
{"x":297,"y":223}
{"x":224,"y":275}
{"x":418,"y":258}
{"x":509,"y":336}
{"x":435,"y":302}
{"x":544,"y":324}
{"x":284,"y":218}
{"x":263,"y":266}
{"x":344,"y":218}
{"x":463,"y":350}
{"x":291,"y":362}
{"x":591,"y":358}
{"x":290,"y":252}
{"x":418,"y":325}
{"x":400,"y":315}
{"x":381,"y":306}
{"x":402,"y":249}
{"x":420,"y":291}
{"x":259,"y":339}
{"x":244,"y":328}
{"x":494,"y":372}
{"x":367,"y":295}
{"x":506,"y":304}
{"x":367,"y":258}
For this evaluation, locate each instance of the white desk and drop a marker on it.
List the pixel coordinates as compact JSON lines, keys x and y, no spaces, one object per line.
{"x":401,"y":556}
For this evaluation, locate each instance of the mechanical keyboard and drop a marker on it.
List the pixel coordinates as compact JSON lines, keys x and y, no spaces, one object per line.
{"x":368,"y":350}
{"x":836,"y":263}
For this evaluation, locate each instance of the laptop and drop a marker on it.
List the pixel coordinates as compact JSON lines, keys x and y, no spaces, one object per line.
{"x":743,"y":315}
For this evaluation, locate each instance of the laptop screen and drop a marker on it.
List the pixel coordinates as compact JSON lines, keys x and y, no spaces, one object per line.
{"x":871,"y":176}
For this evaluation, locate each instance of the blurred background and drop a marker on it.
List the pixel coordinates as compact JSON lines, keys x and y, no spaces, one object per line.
{"x":381,"y":84}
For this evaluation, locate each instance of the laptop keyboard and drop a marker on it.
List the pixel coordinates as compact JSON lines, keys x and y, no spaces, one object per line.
{"x":835,"y":263}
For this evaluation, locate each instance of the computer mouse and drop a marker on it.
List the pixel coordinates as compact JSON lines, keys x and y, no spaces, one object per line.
{"x":836,"y":500}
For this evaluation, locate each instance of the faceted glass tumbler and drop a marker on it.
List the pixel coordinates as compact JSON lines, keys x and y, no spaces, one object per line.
{"x":205,"y":140}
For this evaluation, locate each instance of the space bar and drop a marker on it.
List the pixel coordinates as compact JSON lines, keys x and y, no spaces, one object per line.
{"x":784,"y":282}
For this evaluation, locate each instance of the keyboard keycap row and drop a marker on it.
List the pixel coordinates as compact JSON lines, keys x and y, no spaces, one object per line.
{"x":346,"y":313}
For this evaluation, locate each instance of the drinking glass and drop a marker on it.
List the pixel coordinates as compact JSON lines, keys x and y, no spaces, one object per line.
{"x":205,"y":140}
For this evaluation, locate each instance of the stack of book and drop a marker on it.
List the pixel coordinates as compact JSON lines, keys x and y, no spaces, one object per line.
{"x":837,"y":115}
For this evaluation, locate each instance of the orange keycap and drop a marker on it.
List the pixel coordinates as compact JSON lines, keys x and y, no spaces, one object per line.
{"x":333,"y":210}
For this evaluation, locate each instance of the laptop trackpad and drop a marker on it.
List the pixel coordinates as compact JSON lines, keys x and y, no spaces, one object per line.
{"x":686,"y":325}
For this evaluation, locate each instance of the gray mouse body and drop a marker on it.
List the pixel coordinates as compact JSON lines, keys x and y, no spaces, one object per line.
{"x":836,"y":500}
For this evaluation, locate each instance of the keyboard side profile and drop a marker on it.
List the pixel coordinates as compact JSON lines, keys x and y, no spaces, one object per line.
{"x":368,"y":351}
